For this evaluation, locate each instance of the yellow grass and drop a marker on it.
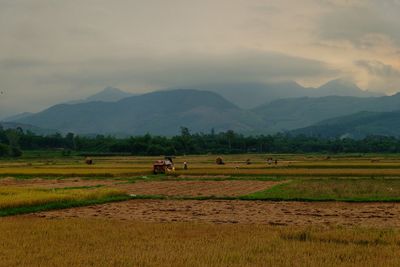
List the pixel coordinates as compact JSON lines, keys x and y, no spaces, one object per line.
{"x":80,"y":242}
{"x":11,"y":197}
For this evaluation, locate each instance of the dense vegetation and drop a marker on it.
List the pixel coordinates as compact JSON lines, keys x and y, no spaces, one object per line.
{"x":13,"y":141}
{"x":9,"y":142}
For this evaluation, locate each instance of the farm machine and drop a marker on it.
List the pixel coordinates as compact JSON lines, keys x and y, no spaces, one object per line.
{"x":163,"y":166}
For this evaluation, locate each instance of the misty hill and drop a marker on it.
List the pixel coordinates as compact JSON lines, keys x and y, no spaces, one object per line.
{"x":162,"y":112}
{"x":357,"y":125}
{"x":251,"y":95}
{"x":18,"y":116}
{"x":108,"y":94}
{"x":289,"y":114}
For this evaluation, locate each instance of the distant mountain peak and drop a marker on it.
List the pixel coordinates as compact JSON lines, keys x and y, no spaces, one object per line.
{"x":340,"y":83}
{"x":343,"y":87}
{"x":111,"y":89}
{"x":109,"y":94}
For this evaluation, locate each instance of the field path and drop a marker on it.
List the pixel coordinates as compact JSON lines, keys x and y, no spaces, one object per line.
{"x":379,"y":215}
{"x":53,"y":183}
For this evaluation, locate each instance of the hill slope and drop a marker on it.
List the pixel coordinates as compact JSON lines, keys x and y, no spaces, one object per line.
{"x":18,"y":116}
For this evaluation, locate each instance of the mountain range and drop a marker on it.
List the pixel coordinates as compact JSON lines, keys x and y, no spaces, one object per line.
{"x":113,"y":111}
{"x":162,"y":112}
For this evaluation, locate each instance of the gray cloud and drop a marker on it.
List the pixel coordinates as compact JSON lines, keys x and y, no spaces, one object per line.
{"x":362,"y":23}
{"x":378,"y":68}
{"x":53,"y":81}
{"x":382,"y":77}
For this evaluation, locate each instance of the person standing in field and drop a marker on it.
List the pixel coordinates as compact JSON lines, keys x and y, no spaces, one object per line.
{"x":185,"y":165}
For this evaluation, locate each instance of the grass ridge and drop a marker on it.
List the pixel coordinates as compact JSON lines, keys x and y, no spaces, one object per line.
{"x":60,"y":205}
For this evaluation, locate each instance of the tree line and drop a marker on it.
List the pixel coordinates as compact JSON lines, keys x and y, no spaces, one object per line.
{"x":14,"y":141}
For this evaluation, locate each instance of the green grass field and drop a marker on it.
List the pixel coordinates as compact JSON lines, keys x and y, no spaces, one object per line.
{"x":334,"y":189}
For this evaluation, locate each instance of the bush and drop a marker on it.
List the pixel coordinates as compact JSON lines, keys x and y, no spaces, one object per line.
{"x":155,"y":150}
{"x":4,"y":150}
{"x":16,"y":152}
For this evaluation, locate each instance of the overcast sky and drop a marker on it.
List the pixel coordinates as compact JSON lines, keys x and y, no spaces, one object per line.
{"x":52,"y":51}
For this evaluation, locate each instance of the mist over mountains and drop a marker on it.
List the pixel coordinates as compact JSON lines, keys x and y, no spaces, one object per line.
{"x":251,"y":95}
{"x":335,"y":109}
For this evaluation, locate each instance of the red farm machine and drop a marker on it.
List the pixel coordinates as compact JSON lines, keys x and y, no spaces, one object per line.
{"x":163,"y":166}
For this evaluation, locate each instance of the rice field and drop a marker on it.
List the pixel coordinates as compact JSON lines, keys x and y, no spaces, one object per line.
{"x":12,"y":197}
{"x":287,"y":165}
{"x":99,"y":242}
{"x":303,"y":210}
{"x":359,"y":189}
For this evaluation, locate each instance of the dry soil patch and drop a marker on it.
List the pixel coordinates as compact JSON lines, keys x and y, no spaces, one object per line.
{"x":248,"y":212}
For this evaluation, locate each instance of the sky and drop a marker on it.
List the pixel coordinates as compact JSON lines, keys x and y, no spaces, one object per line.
{"x":54,"y":51}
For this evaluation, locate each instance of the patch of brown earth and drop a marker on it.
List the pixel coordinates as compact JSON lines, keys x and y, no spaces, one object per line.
{"x":379,"y":215}
{"x":197,"y":188}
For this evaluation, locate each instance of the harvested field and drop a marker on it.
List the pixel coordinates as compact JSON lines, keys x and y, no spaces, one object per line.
{"x":53,"y":183}
{"x":377,"y":215}
{"x":197,"y":188}
{"x":167,"y":188}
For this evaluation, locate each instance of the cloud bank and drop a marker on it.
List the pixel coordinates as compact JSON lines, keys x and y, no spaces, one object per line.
{"x":54,"y":51}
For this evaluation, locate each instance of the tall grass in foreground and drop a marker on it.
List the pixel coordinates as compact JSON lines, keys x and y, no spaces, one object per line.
{"x":90,"y":242}
{"x":12,"y":197}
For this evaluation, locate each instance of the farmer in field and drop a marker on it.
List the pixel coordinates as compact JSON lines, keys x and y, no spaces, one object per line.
{"x":185,"y":165}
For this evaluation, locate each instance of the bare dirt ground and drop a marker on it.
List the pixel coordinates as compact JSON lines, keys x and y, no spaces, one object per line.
{"x":197,"y":188}
{"x":50,"y":183}
{"x":168,"y":188}
{"x":380,"y":215}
